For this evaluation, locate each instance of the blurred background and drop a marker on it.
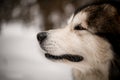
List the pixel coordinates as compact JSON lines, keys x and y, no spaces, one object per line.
{"x":20,"y":55}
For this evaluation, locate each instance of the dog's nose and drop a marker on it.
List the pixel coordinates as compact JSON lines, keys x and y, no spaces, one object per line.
{"x":41,"y":36}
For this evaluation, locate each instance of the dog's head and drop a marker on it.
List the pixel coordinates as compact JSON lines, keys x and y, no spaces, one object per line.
{"x":87,"y":42}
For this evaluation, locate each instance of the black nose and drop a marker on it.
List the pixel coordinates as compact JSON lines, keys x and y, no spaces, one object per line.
{"x":41,"y":36}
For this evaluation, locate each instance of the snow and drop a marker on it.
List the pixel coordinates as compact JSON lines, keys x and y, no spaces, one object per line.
{"x":21,"y":58}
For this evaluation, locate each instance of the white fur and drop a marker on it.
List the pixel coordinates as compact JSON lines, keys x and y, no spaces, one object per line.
{"x":95,"y":50}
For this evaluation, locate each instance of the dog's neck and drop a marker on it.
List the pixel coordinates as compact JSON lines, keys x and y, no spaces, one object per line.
{"x":93,"y":74}
{"x":89,"y":76}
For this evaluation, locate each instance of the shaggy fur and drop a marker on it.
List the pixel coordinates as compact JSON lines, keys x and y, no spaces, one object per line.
{"x":90,"y":43}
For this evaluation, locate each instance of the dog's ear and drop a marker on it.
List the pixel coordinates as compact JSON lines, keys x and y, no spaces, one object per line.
{"x":112,"y":11}
{"x":109,"y":9}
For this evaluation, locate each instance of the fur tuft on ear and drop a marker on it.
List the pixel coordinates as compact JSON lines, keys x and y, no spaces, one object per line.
{"x":109,"y":9}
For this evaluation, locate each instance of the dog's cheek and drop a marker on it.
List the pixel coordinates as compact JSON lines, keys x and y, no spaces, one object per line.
{"x":97,"y":50}
{"x":105,"y":51}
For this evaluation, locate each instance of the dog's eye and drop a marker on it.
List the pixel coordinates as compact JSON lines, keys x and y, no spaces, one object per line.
{"x":79,"y":27}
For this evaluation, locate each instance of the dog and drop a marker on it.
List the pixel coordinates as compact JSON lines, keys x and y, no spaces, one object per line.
{"x":90,"y":42}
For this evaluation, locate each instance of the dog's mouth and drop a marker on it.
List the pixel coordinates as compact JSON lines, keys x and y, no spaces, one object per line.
{"x":69,"y":57}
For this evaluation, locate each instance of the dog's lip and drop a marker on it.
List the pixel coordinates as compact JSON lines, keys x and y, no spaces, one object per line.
{"x":69,"y":57}
{"x":42,"y":47}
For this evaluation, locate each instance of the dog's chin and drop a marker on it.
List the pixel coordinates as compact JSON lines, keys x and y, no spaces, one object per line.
{"x":69,"y":57}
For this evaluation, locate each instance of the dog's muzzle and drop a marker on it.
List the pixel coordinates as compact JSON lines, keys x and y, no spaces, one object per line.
{"x":73,"y":58}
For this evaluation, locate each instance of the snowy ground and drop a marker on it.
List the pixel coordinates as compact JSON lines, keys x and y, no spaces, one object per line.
{"x":22,"y":59}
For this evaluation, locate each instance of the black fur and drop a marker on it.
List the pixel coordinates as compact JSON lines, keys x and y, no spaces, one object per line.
{"x":115,"y":3}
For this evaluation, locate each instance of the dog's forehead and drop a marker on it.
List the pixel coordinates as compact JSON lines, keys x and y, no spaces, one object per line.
{"x":85,"y":12}
{"x":80,"y":18}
